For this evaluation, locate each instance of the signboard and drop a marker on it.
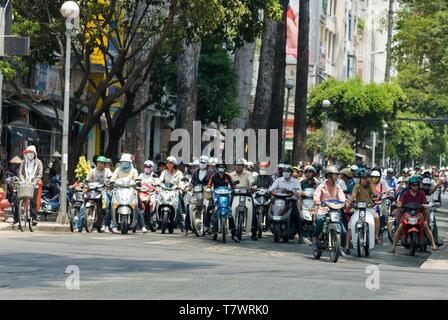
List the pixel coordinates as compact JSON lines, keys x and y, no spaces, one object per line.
{"x":292,"y":31}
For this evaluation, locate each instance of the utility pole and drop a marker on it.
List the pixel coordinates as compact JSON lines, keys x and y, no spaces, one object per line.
{"x":373,"y":148}
{"x":390,"y":23}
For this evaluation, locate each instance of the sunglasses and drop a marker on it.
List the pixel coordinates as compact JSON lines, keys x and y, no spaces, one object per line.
{"x":414,"y":185}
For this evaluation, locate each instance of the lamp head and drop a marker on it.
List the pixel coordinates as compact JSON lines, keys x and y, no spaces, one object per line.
{"x":70,"y":9}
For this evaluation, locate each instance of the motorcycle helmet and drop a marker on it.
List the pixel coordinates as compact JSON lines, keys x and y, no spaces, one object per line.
{"x":414,"y":179}
{"x":203,"y":162}
{"x":109,"y":161}
{"x":331,"y":170}
{"x":126,"y":157}
{"x":375,"y":174}
{"x":390,"y":170}
{"x":427,"y":181}
{"x":172,"y":159}
{"x":362,"y":173}
{"x":221,"y":166}
{"x":309,"y":169}
{"x":241,"y":161}
{"x":354,"y":167}
{"x":101,"y":159}
{"x":148,"y":163}
{"x":347,"y":172}
{"x":406,"y":170}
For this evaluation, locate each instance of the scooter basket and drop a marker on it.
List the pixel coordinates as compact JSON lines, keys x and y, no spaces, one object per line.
{"x":25,"y":190}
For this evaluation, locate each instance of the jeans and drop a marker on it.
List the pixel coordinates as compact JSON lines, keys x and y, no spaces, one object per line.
{"x":80,"y":222}
{"x":319,"y":226}
{"x":107,"y":221}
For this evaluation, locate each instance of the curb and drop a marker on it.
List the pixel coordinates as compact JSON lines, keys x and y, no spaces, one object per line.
{"x":41,"y":227}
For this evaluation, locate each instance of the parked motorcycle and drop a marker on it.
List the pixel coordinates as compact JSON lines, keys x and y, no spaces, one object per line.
{"x":94,"y":206}
{"x":280,"y":215}
{"x":124,"y":204}
{"x":362,"y":226}
{"x":262,"y":201}
{"x":222,"y":198}
{"x":196,"y":210}
{"x":242,"y":210}
{"x":75,"y":204}
{"x":147,"y":195}
{"x":167,"y":203}
{"x":306,"y":213}
{"x":330,"y":237}
{"x":412,"y":227}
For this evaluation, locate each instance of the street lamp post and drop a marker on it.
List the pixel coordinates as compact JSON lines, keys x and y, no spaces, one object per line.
{"x":385,"y":126}
{"x":70,"y":11}
{"x":289,"y":84}
{"x":326,"y":103}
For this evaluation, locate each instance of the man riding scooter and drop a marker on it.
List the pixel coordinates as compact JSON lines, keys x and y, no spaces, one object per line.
{"x":291,"y":184}
{"x":308,"y":184}
{"x":329,"y":190}
{"x":413,"y":195}
{"x":246,"y":180}
{"x":219,"y":179}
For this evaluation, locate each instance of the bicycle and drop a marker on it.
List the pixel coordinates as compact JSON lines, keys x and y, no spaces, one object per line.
{"x":25,"y":192}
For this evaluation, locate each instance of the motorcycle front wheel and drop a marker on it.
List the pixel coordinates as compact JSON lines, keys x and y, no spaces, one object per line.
{"x":224,"y":228}
{"x":124,"y":226}
{"x":89,"y":218}
{"x":239,"y":233}
{"x":198,"y":226}
{"x":335,"y":240}
{"x":73,"y":218}
{"x":413,"y":243}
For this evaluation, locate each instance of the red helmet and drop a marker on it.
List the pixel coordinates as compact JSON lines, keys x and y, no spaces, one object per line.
{"x":264,"y":164}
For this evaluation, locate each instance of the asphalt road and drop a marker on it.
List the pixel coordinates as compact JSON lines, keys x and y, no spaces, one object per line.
{"x":156,"y":266}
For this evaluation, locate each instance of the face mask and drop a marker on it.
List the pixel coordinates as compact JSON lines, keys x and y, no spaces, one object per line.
{"x":29,"y":156}
{"x":148,"y":170}
{"x":357,"y":180}
{"x":202,"y":166}
{"x":286,"y":174}
{"x":125,"y":166}
{"x":375,"y":180}
{"x":221,"y":170}
{"x":263,"y":172}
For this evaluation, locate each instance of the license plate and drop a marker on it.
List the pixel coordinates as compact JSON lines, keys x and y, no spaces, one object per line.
{"x":277,"y":217}
{"x":413,"y":220}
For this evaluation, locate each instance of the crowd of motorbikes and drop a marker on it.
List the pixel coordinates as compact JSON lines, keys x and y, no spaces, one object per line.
{"x":272,"y":212}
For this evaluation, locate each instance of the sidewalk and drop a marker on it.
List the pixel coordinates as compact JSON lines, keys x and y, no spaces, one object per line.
{"x":439,"y":259}
{"x":41,"y":227}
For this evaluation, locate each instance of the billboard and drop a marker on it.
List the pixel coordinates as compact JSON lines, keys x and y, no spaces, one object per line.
{"x":292,"y":31}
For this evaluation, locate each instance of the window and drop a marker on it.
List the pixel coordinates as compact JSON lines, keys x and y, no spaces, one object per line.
{"x":350,"y":26}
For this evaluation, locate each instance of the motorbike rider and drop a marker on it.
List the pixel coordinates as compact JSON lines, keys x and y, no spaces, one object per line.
{"x":363,"y":192}
{"x":109,"y":164}
{"x":200,"y":176}
{"x":279,"y":172}
{"x":100,"y":174}
{"x":263,"y":181}
{"x":174,"y":176}
{"x":148,"y":176}
{"x":297,"y":173}
{"x":328,"y":190}
{"x":289,"y":183}
{"x":379,"y":185}
{"x":250,"y":167}
{"x":219,"y":179}
{"x":213,"y":162}
{"x":414,"y":194}
{"x":354,"y":168}
{"x":347,"y":177}
{"x":125,"y":170}
{"x":309,"y":181}
{"x":391,"y":180}
{"x":31,"y":169}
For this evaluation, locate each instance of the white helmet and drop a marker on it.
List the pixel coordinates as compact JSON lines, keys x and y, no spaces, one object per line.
{"x":426,"y":181}
{"x":405,"y":170}
{"x":354,"y":167}
{"x":126,"y":157}
{"x":213,"y":161}
{"x":241,"y":161}
{"x":204,"y":159}
{"x":390,"y":170}
{"x":195,"y":162}
{"x":375,"y":173}
{"x":148,"y":163}
{"x":172,"y":159}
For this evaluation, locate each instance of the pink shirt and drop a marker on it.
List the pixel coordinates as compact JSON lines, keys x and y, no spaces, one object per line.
{"x":323,"y":193}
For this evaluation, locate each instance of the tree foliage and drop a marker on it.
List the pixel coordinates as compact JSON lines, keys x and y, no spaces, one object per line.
{"x":338,"y":147}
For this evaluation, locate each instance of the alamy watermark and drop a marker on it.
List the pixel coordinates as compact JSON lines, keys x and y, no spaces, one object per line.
{"x":72,"y":281}
{"x":234,"y":145}
{"x":373,"y":280}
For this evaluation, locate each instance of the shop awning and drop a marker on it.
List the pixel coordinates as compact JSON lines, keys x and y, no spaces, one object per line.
{"x":42,"y":109}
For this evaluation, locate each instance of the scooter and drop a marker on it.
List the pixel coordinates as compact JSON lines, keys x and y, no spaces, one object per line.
{"x":196,"y":209}
{"x":124,"y":204}
{"x":306,"y":214}
{"x":242,"y":210}
{"x":49,"y":201}
{"x":330,"y":238}
{"x":433,"y":205}
{"x":167,"y":203}
{"x":262,"y":202}
{"x":222,"y":197}
{"x":412,"y":227}
{"x":362,"y":227}
{"x":75,"y":204}
{"x":147,"y":195}
{"x":279,"y":215}
{"x":94,"y":206}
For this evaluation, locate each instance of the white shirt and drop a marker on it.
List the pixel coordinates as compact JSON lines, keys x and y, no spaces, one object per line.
{"x":293,"y":184}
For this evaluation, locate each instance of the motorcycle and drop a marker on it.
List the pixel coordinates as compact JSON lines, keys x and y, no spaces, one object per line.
{"x":306,"y":214}
{"x":330,"y":237}
{"x":384,"y":207}
{"x":433,"y":205}
{"x":196,"y":209}
{"x":279,"y":215}
{"x":125,"y":204}
{"x":147,"y":195}
{"x":222,"y":199}
{"x":412,"y":236}
{"x":94,"y":206}
{"x":362,"y":226}
{"x":167,"y":203}
{"x":242,"y":209}
{"x":262,"y":201}
{"x":75,"y":204}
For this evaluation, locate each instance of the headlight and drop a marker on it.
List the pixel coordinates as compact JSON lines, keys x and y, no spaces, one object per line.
{"x":334,"y":216}
{"x":362,"y":214}
{"x":362,"y":205}
{"x":280,"y":203}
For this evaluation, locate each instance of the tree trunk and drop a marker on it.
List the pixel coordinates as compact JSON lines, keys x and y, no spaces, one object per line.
{"x":263,"y":96}
{"x":244,"y":64}
{"x":299,"y":152}
{"x":187,"y":86}
{"x":278,"y":85}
